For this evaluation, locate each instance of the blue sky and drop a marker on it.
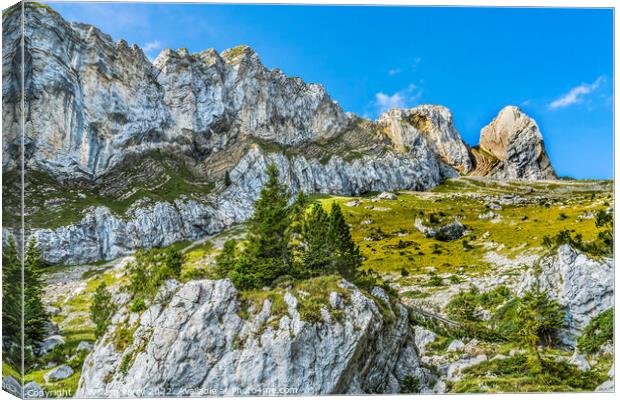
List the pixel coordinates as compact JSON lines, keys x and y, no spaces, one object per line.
{"x":556,"y":64}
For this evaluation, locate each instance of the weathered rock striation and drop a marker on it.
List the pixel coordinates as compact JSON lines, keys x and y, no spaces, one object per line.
{"x":427,"y":125}
{"x":515,"y":141}
{"x":195,"y":342}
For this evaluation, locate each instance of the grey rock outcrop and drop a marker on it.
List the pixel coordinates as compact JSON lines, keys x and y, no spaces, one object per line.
{"x":102,"y":234}
{"x":59,"y":373}
{"x":583,"y":285}
{"x":198,"y":342}
{"x":32,"y":390}
{"x":514,"y":139}
{"x":447,"y":231}
{"x":429,"y":124}
{"x":50,"y":343}
{"x":11,"y":385}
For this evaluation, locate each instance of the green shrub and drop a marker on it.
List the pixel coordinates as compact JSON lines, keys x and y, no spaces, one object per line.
{"x":435,"y":280}
{"x":464,"y":306}
{"x":150,"y":270}
{"x":600,"y":330}
{"x":520,"y":374}
{"x":138,"y":305}
{"x":101,"y":310}
{"x":410,"y":384}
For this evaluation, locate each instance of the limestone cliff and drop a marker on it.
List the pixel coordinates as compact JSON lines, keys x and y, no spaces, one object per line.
{"x":193,"y":340}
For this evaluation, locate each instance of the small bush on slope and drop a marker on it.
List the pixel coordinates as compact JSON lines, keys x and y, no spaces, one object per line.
{"x":150,"y":270}
{"x":599,"y":331}
{"x":101,"y":309}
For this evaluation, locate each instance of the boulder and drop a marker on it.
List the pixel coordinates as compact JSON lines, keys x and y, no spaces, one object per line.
{"x":579,"y":361}
{"x":84,"y":346}
{"x":32,"y":390}
{"x":456,"y":345}
{"x":353,"y":203}
{"x":489,"y":215}
{"x":59,"y":373}
{"x":386,"y":196}
{"x":423,"y":337}
{"x":11,"y":385}
{"x":449,"y":231}
{"x":50,"y":343}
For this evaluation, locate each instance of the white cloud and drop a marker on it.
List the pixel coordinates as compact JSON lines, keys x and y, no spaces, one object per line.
{"x":401,"y":99}
{"x":152,"y":46}
{"x":575,"y":95}
{"x":394,"y":71}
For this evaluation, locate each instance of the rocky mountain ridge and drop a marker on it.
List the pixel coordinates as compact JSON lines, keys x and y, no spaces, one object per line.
{"x":95,"y":105}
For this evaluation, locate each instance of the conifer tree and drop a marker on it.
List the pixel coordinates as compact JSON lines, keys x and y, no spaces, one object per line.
{"x":35,"y":317}
{"x":537,"y":317}
{"x":227,"y":259}
{"x":346,"y":255}
{"x":315,"y":247}
{"x":11,"y":294}
{"x":268,"y":252}
{"x":298,"y":212}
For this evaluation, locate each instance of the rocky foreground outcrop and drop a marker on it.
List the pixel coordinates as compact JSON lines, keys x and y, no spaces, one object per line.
{"x":193,"y":340}
{"x":583,"y":285}
{"x":95,"y":105}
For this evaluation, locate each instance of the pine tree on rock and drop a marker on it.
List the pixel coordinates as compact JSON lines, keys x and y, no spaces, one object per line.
{"x":268,"y":253}
{"x":11,"y":294}
{"x":35,"y":317}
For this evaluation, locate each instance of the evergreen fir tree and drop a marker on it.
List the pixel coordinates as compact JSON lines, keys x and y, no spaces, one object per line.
{"x":315,"y":246}
{"x":227,"y":181}
{"x":11,"y":294}
{"x":35,"y":317}
{"x":268,"y":249}
{"x":537,"y":317}
{"x":298,"y":212}
{"x":227,"y":259}
{"x":346,"y":255}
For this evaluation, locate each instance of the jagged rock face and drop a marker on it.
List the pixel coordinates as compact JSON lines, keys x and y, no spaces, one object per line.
{"x":212,"y":95}
{"x":515,"y":140}
{"x":86,"y":97}
{"x":583,"y":285}
{"x":197,"y":341}
{"x":432,"y":125}
{"x":103,"y":235}
{"x":92,"y":101}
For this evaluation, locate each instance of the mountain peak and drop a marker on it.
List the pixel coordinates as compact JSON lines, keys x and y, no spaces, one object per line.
{"x":237,"y":54}
{"x":514,"y":139}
